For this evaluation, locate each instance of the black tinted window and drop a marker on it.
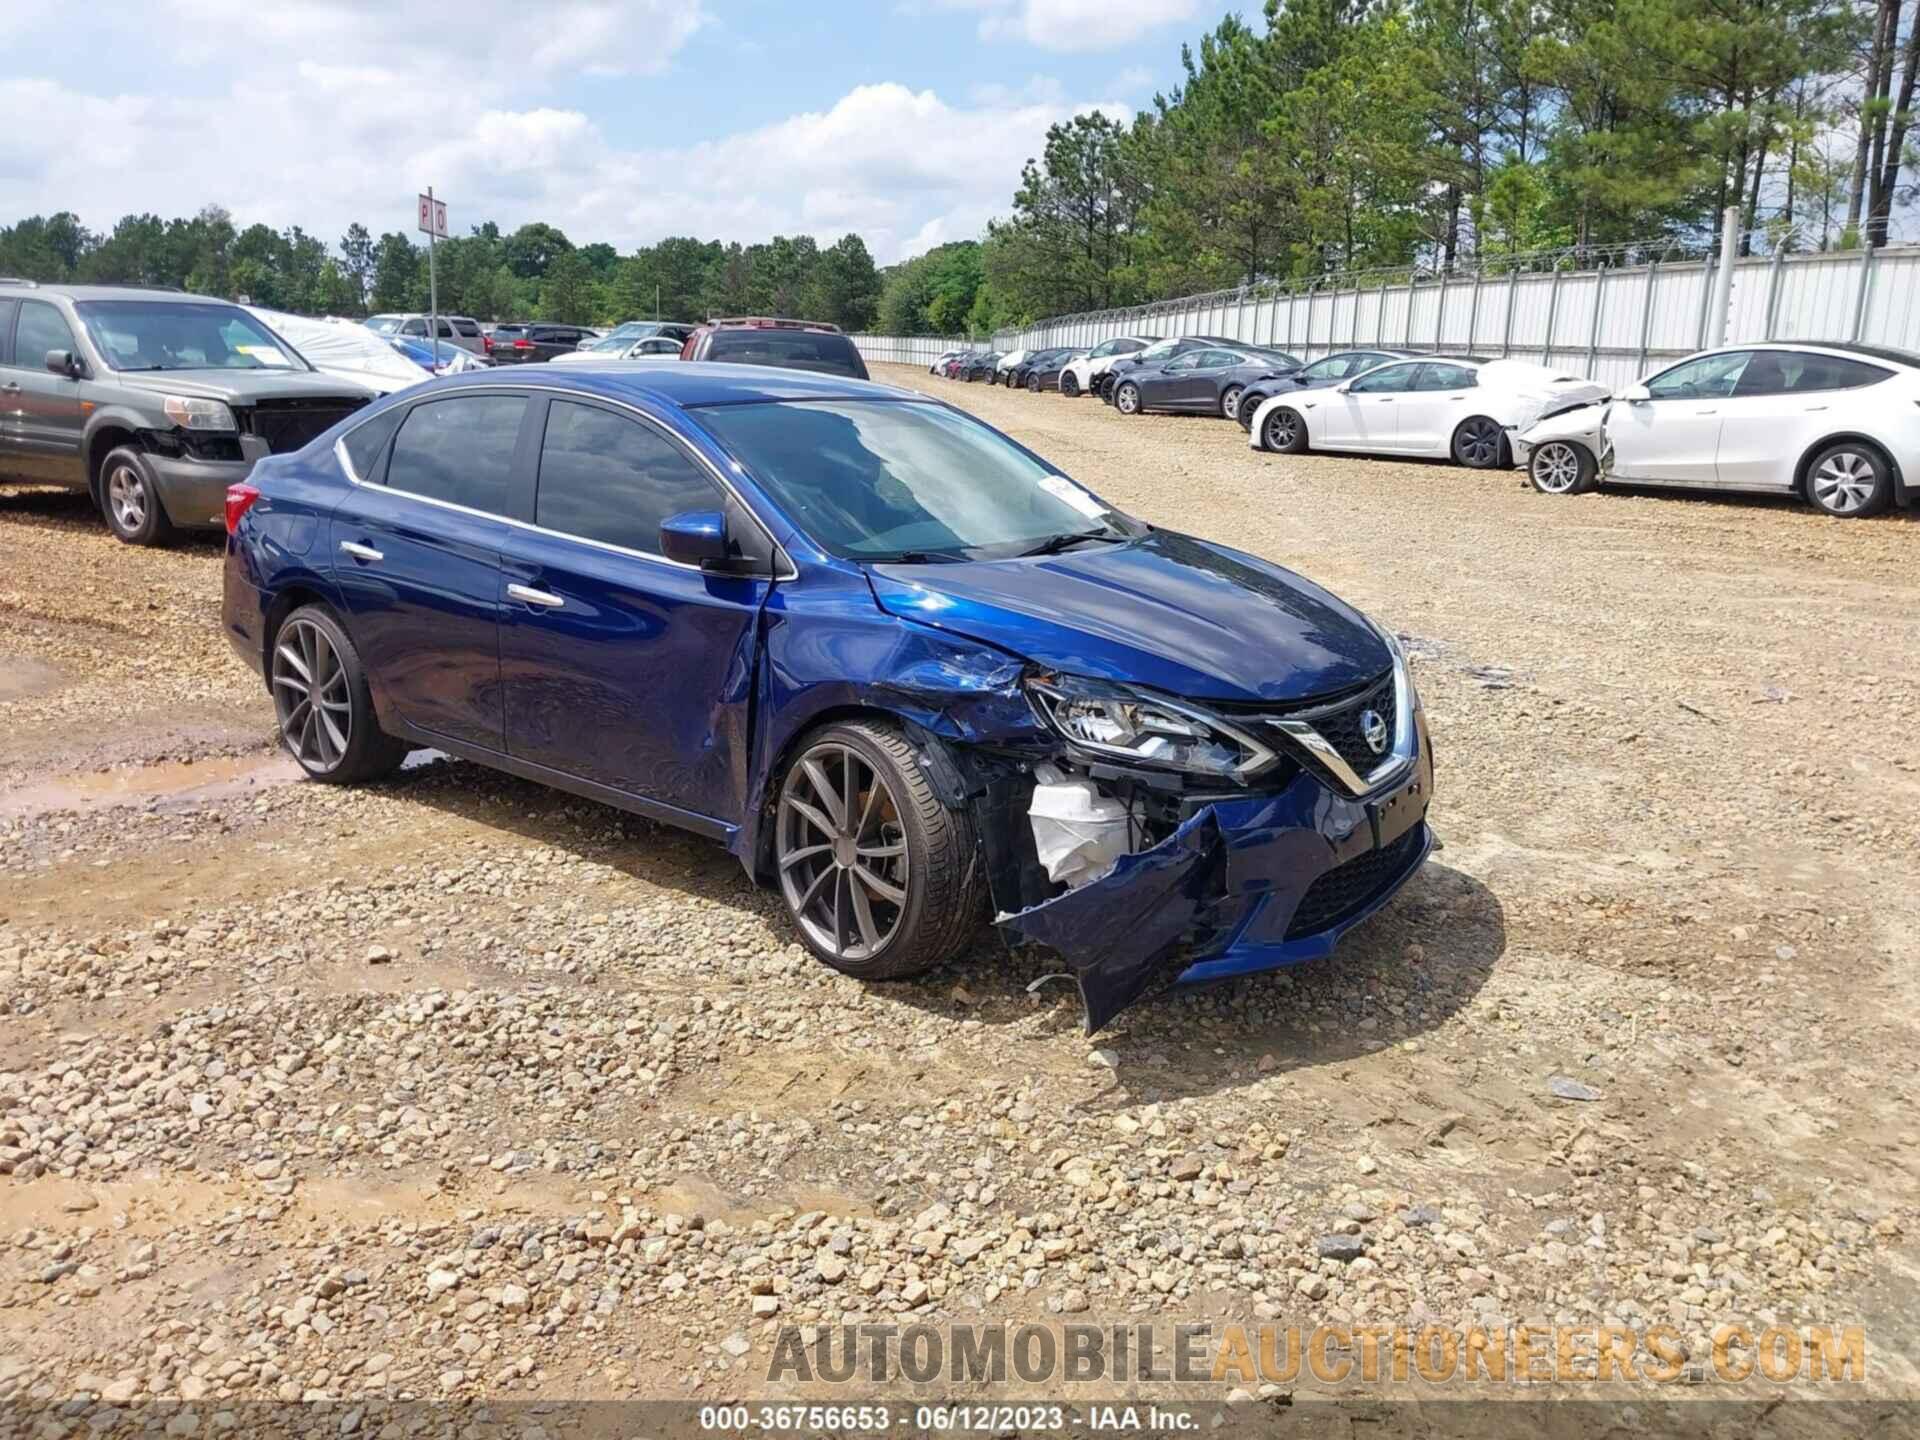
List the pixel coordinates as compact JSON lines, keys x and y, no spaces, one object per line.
{"x":467,"y":328}
{"x":1796,"y":370}
{"x":459,"y":450}
{"x":364,"y":443}
{"x":41,"y":328}
{"x":605,"y":477}
{"x":795,"y":349}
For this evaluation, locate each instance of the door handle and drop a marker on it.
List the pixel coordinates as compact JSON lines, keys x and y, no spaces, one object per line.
{"x":1812,"y":408}
{"x":361,"y":552}
{"x":12,"y":387}
{"x":527,"y":595}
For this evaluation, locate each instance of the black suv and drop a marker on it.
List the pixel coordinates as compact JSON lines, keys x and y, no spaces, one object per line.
{"x":523,"y":344}
{"x":152,"y":401}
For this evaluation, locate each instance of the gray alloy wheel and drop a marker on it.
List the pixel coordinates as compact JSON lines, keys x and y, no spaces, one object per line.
{"x":1127,"y":398}
{"x":842,"y":852}
{"x":1848,"y":480}
{"x":310,"y":694}
{"x":1033,"y":383}
{"x":133,"y":511}
{"x":1478,"y":443}
{"x":321,"y":699}
{"x":1285,"y":431}
{"x":1560,"y":467}
{"x":1230,"y":402}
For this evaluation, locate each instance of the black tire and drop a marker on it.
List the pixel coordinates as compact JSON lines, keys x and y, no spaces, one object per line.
{"x":1850,"y":480}
{"x":369,"y":753}
{"x":1285,"y":431}
{"x":1069,"y":385}
{"x":1562,"y":467}
{"x":1250,"y":403}
{"x":130,"y":500}
{"x":1480,"y":444}
{"x":1230,"y":402}
{"x":944,"y":894}
{"x":1126,"y":398}
{"x":1033,"y":384}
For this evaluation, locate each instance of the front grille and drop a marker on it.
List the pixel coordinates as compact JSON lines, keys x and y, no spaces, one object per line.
{"x":1339,"y":725}
{"x":1353,"y":886}
{"x":287,"y":425}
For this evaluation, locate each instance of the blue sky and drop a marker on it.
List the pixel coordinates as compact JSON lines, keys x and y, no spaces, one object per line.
{"x":622,"y":120}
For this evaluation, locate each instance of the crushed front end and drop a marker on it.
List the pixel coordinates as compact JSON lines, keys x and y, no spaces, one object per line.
{"x":1173,"y":844}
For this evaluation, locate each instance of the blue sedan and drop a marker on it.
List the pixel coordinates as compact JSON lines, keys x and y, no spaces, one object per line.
{"x":898,"y":664}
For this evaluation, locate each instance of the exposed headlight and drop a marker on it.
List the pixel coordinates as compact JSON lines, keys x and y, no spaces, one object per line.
{"x":1400,"y":665}
{"x":190,"y":413}
{"x":1141,"y":729}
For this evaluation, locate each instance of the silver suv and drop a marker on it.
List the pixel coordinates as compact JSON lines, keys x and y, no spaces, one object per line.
{"x":151,"y":401}
{"x":459,"y":330}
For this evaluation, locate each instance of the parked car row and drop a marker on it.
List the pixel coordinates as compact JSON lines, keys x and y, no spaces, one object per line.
{"x":1836,"y":424}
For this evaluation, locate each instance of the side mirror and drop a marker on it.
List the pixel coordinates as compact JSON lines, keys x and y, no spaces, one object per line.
{"x":697,"y":537}
{"x":65,"y":362}
{"x":1634,"y":394}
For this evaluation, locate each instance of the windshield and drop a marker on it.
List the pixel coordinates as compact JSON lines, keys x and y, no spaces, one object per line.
{"x":172,"y":335}
{"x":882,"y":480}
{"x":611,"y":343}
{"x":383,"y":324}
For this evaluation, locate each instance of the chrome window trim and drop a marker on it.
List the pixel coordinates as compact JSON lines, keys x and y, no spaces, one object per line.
{"x":346,"y":466}
{"x":1406,"y":743}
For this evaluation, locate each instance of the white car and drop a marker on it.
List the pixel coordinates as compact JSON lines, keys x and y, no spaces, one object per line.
{"x":1463,"y":408}
{"x":1076,"y":378}
{"x":1006,"y":363}
{"x":653,"y":347}
{"x":1837,"y":424}
{"x":940,"y":363}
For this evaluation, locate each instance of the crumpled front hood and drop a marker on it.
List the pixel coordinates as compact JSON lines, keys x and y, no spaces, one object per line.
{"x":244,"y":387}
{"x":1166,"y":611}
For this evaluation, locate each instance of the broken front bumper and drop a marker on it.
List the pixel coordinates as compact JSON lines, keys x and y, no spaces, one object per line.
{"x":1245,"y":883}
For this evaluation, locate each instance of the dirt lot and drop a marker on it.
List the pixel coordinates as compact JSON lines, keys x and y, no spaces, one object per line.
{"x":455,"y":1086}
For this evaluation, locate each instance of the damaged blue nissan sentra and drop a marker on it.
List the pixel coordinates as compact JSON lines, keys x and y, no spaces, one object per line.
{"x":897,"y":663}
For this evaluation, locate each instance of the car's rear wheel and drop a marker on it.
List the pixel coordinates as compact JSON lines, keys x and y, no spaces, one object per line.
{"x":1033,"y":384}
{"x":1127,"y":398}
{"x":130,"y":500}
{"x":1850,"y":480}
{"x":1230,"y":402}
{"x":1479,"y":443}
{"x":1560,"y":467}
{"x":1069,"y":384}
{"x":324,"y":707}
{"x":878,"y":875}
{"x":1285,"y":431}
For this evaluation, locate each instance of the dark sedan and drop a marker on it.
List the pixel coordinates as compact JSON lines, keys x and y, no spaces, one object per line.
{"x":1021,"y":376}
{"x":980,"y":367}
{"x":1328,"y":370}
{"x":1045,"y":374}
{"x":1208,"y":381}
{"x":1157,"y":353}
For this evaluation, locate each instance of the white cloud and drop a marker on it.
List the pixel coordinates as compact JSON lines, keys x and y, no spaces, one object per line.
{"x":1133,"y":80}
{"x":1079,"y":24}
{"x":325,"y":125}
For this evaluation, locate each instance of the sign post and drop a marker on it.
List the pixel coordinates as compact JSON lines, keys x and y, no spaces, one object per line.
{"x":433,"y":220}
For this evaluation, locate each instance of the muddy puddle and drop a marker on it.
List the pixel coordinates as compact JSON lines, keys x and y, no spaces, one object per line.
{"x":169,"y":782}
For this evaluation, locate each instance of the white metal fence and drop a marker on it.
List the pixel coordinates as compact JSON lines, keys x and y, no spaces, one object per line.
{"x":1613,"y":324}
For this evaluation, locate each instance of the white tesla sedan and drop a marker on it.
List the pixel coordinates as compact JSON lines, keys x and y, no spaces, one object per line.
{"x":1463,"y":408}
{"x":1838,"y":424}
{"x":1077,"y":376}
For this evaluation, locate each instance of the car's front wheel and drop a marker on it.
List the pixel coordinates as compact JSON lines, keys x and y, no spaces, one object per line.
{"x":1560,"y":467}
{"x":130,"y":500}
{"x":1069,"y":384}
{"x":1230,"y":402}
{"x":321,"y":698}
{"x":1479,"y":443}
{"x":1285,"y":431}
{"x":1033,"y":384}
{"x":878,"y":875}
{"x":1849,"y":480}
{"x":1127,"y":398}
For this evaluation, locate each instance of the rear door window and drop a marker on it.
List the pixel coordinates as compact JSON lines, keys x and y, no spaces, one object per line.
{"x":1444,"y":377}
{"x":459,"y":450}
{"x":1804,"y":371}
{"x":609,"y":478}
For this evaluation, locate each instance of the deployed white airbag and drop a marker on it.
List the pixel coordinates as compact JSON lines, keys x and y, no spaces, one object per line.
{"x":1079,"y":833}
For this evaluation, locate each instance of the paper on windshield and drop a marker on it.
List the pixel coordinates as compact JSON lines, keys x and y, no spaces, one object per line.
{"x":1062,"y":488}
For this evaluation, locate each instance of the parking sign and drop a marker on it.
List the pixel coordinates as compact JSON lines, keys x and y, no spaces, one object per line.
{"x":433,"y":216}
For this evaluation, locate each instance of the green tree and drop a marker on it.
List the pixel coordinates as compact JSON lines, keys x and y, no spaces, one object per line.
{"x":397,"y":267}
{"x":567,"y":292}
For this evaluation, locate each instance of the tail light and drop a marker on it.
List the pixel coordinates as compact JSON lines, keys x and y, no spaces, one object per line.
{"x":523,"y":344}
{"x":240,"y":499}
{"x":486,"y":343}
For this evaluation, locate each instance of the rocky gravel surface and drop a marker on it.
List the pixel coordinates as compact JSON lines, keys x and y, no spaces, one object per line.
{"x":455,"y":1087}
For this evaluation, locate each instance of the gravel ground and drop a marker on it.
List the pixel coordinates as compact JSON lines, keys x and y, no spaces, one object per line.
{"x":458,"y":1087}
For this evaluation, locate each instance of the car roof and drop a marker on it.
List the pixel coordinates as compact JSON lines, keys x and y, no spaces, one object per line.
{"x":166,"y":294}
{"x":686,"y":385}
